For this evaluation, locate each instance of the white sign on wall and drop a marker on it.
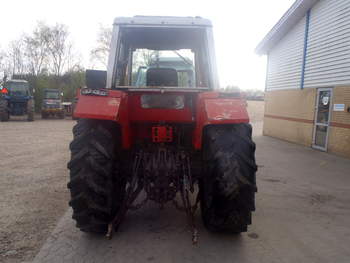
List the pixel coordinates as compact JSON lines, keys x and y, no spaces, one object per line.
{"x":339,"y":107}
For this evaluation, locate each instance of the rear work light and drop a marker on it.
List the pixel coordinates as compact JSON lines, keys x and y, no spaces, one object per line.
{"x":96,"y":92}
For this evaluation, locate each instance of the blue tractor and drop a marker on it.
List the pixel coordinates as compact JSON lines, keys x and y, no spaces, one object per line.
{"x":16,"y":100}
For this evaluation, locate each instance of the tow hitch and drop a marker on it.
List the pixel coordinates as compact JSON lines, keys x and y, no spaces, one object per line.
{"x":163,"y":174}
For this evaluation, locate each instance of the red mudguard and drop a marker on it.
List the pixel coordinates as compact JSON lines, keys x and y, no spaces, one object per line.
{"x":214,"y":108}
{"x":98,"y":107}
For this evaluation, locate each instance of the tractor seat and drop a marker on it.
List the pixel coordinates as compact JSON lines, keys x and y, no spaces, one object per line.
{"x":166,"y":77}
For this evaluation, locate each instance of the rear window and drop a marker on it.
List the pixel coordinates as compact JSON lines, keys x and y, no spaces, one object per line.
{"x":52,"y":95}
{"x":182,"y":61}
{"x":17,"y":88}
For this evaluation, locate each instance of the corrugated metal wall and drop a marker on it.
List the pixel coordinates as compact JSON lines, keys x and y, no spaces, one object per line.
{"x":285,"y":60}
{"x":328,"y":50}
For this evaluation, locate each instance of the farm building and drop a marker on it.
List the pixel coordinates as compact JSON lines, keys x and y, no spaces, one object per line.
{"x":308,"y":76}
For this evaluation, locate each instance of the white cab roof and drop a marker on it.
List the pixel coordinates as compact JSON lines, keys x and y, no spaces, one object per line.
{"x":163,"y":20}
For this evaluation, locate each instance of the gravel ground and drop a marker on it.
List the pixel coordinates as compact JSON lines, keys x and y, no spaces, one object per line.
{"x":33,"y":178}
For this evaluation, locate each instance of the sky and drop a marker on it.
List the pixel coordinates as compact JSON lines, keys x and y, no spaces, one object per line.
{"x":238,"y":26}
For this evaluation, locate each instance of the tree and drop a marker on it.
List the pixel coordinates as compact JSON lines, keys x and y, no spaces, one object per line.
{"x":2,"y":60}
{"x":74,"y":59}
{"x":56,"y":39}
{"x":100,"y":53}
{"x":71,"y":81}
{"x":16,"y":57}
{"x":36,"y":48}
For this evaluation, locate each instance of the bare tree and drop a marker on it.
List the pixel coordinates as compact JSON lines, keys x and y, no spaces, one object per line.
{"x":2,"y":66}
{"x":16,"y":57}
{"x":48,"y":49}
{"x":36,"y":48}
{"x":74,"y":59}
{"x":2,"y":60}
{"x":100,"y":53}
{"x":56,"y":39}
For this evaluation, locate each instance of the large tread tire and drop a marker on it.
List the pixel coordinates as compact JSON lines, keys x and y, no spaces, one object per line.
{"x":4,"y":114}
{"x":30,"y":110}
{"x":228,"y":187}
{"x":96,"y":186}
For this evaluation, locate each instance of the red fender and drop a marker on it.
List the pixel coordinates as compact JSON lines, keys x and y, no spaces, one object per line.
{"x":214,"y":108}
{"x":99,"y":107}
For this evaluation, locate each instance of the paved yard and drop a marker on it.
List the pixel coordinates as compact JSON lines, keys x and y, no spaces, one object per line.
{"x":303,"y":215}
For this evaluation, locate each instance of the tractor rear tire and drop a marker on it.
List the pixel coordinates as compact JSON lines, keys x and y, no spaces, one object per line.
{"x":30,"y":110}
{"x":228,"y":187}
{"x":4,"y":114}
{"x":96,"y":186}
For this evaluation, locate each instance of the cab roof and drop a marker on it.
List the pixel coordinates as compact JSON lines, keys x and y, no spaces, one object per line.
{"x":17,"y":81}
{"x":163,"y":21}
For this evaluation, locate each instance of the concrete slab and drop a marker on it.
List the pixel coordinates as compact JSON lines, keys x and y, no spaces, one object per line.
{"x":303,"y":215}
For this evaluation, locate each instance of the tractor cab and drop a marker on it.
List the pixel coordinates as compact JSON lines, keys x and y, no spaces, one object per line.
{"x":16,"y":99}
{"x":17,"y":89}
{"x":160,"y":52}
{"x":17,"y":93}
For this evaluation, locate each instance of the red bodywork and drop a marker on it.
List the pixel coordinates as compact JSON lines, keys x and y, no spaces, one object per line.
{"x":124,"y":107}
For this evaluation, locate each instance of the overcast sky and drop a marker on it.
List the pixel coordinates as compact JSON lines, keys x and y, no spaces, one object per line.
{"x":238,"y":26}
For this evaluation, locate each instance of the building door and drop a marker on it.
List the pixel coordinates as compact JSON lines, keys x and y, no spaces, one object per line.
{"x":322,"y":118}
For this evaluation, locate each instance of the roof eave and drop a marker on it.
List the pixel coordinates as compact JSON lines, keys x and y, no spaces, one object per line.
{"x":293,"y":15}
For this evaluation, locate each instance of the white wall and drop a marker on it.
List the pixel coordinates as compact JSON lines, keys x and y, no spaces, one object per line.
{"x":328,"y":50}
{"x":285,"y":60}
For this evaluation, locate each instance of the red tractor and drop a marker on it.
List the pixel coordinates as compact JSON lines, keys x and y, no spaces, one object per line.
{"x":148,"y":125}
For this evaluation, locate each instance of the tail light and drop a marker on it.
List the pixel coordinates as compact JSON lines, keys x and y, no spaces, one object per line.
{"x":4,"y":91}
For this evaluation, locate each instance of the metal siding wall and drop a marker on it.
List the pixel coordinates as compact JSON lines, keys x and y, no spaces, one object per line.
{"x":328,"y":51}
{"x":285,"y":60}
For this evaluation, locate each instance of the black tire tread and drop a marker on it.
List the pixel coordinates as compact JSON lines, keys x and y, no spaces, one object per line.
{"x":92,"y":169}
{"x":4,"y":115}
{"x":228,"y":188}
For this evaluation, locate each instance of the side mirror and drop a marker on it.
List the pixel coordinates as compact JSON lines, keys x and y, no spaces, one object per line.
{"x":95,"y":79}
